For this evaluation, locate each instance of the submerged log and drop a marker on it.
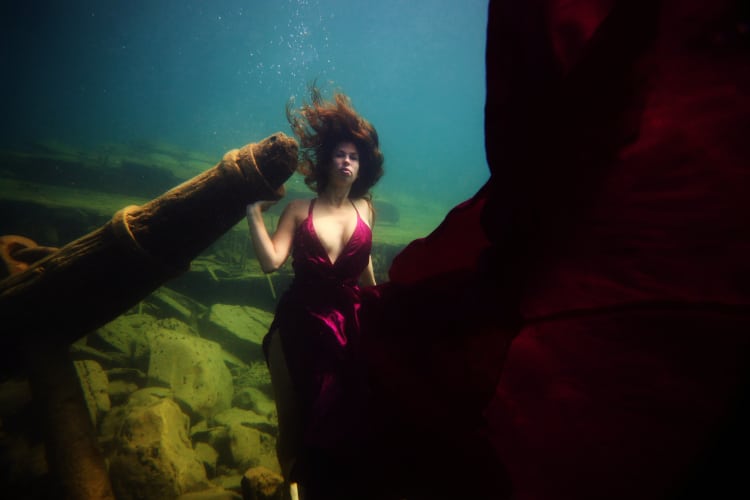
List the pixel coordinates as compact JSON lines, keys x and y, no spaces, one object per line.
{"x":97,"y":277}
{"x":76,"y":466}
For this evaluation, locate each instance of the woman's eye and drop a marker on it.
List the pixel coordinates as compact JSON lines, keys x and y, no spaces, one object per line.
{"x":343,"y":154}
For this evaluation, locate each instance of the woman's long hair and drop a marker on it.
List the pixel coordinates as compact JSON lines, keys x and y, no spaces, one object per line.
{"x":320,"y":126}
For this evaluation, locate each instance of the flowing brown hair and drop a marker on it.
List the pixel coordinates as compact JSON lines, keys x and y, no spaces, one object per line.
{"x":320,"y":126}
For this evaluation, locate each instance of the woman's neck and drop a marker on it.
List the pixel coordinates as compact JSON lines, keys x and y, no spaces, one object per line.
{"x":335,"y":197}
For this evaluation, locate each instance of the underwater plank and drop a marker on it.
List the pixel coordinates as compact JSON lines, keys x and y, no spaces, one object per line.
{"x":76,"y":465}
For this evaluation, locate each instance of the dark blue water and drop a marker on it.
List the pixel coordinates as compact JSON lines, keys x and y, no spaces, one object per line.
{"x":211,"y":76}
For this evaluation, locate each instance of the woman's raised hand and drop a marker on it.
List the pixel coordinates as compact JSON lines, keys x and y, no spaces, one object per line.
{"x":259,"y":206}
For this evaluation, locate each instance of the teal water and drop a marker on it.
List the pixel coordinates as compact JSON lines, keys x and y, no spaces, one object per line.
{"x":211,"y":76}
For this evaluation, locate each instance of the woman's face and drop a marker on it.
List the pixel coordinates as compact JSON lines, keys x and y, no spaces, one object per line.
{"x":345,"y":162}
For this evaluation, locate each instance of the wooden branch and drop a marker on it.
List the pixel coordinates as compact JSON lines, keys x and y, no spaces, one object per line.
{"x":95,"y":278}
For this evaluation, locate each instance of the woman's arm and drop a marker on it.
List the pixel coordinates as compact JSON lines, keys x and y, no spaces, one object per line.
{"x":367,"y":278}
{"x":271,"y":251}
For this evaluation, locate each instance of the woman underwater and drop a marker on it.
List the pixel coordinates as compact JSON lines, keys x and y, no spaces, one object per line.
{"x":312,"y":345}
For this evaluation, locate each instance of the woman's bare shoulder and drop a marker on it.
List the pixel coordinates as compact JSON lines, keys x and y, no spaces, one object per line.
{"x":299,"y":203}
{"x":298,"y":208}
{"x":364,"y":207}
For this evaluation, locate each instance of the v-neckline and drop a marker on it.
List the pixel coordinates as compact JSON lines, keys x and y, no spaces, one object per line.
{"x":332,"y":262}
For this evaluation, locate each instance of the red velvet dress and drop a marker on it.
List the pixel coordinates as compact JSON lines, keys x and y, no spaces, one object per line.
{"x":317,"y":318}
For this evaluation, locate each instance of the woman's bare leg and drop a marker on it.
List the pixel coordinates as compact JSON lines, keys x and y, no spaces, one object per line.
{"x":288,"y":444}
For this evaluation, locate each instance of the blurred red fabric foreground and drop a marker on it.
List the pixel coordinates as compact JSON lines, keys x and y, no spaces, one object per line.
{"x":581,"y":327}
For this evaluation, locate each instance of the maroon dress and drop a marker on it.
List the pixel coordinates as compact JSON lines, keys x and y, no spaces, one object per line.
{"x":317,"y":318}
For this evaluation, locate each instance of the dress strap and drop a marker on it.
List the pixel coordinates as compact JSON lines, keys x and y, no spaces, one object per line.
{"x":310,"y":209}
{"x":355,"y":208}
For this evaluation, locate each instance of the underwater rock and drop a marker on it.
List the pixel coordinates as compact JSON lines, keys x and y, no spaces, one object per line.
{"x":153,"y":457}
{"x":216,"y":437}
{"x":95,"y":387}
{"x":172,"y":304}
{"x":125,"y":335}
{"x":81,"y":352}
{"x":120,"y":390}
{"x":208,"y":456}
{"x":260,"y":483}
{"x":230,"y":482}
{"x":255,"y":400}
{"x":193,"y":368}
{"x":174,"y":325}
{"x":123,"y":382}
{"x":251,"y":439}
{"x":239,"y":329}
{"x":113,"y":421}
{"x":217,"y":493}
{"x":173,"y":307}
{"x":255,"y":374}
{"x":199,"y":428}
{"x":149,"y":395}
{"x":386,"y":212}
{"x":129,"y":375}
{"x":232,"y":361}
{"x":246,"y":418}
{"x":251,"y":447}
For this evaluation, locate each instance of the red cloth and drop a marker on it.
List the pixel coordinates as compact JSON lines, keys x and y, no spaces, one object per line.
{"x":611,"y":246}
